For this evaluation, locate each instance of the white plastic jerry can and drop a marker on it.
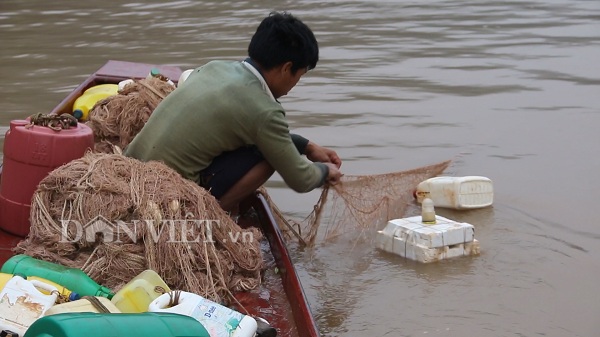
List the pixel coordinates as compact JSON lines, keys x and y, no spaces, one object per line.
{"x":457,"y":192}
{"x":22,"y":302}
{"x":218,"y":320}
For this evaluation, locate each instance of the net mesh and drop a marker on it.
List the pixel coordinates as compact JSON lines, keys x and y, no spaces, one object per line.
{"x":358,"y":204}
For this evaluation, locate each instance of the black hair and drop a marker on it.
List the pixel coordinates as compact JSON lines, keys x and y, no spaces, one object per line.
{"x":281,"y":38}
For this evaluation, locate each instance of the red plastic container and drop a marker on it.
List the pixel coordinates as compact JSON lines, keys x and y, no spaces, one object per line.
{"x":29,"y":155}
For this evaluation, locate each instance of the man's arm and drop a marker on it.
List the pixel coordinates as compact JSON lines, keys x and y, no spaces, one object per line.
{"x":317,"y":153}
{"x":274,"y":142}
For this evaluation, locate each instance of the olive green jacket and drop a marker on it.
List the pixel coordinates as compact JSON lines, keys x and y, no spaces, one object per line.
{"x":222,"y":106}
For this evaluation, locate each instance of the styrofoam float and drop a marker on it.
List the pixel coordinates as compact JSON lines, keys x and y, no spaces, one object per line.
{"x":415,"y":240}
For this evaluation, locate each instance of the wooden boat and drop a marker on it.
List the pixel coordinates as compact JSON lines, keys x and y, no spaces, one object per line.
{"x":281,"y":299}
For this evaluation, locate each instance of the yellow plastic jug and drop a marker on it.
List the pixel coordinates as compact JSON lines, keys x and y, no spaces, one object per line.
{"x":112,"y":89}
{"x":137,"y":295}
{"x":83,"y":305}
{"x":84,"y":103}
{"x":63,"y":292}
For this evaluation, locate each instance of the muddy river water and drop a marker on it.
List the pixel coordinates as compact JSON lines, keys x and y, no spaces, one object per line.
{"x":509,"y":90}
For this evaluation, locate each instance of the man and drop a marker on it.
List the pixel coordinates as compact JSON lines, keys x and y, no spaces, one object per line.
{"x":224,"y":128}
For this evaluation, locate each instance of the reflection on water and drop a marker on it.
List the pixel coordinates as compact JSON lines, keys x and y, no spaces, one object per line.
{"x":507,"y":89}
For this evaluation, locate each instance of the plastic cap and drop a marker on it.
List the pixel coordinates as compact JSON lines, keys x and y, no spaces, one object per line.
{"x":77,"y":113}
{"x":105,"y":292}
{"x":8,"y":333}
{"x":154,"y":72}
{"x":74,"y":296}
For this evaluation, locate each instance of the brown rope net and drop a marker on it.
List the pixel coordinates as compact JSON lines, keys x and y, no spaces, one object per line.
{"x":116,"y":120}
{"x":359,"y":205}
{"x":113,"y":217}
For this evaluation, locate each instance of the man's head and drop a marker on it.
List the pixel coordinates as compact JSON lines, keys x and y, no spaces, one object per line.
{"x":282,"y":38}
{"x":285,"y":49}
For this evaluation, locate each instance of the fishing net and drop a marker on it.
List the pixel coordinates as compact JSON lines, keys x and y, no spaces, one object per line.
{"x":359,"y":205}
{"x":116,"y":120}
{"x":114,"y":217}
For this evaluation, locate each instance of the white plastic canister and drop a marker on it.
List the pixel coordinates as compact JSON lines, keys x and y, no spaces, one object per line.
{"x":457,"y":192}
{"x":21,"y":303}
{"x":218,"y":320}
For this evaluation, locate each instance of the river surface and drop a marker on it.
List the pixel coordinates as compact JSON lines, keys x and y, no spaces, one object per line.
{"x":509,"y":90}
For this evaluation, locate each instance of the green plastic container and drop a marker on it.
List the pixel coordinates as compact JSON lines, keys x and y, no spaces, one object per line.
{"x":91,"y":324}
{"x":71,"y":278}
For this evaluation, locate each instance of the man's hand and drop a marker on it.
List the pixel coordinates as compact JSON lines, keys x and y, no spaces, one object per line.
{"x":334,"y":175}
{"x":317,"y":153}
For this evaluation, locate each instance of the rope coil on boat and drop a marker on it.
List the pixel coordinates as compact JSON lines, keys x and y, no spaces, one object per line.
{"x":54,"y":122}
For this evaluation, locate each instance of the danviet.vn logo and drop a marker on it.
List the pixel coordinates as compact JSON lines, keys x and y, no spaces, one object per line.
{"x":100,"y":229}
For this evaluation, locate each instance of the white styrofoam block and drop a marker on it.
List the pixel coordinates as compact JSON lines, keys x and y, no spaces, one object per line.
{"x":444,"y":232}
{"x":411,"y":238}
{"x":424,"y":254}
{"x":427,"y":255}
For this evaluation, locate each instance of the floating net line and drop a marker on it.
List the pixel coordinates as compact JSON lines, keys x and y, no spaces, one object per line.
{"x":359,"y":204}
{"x":114,"y":217}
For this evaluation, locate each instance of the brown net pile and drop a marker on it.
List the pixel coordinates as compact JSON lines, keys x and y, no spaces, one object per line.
{"x":358,"y":205}
{"x":117,"y":119}
{"x":114,"y":217}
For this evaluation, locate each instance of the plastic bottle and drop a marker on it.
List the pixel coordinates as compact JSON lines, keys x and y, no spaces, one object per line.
{"x":62,"y":291}
{"x":138,"y":293}
{"x":72,"y":278}
{"x":111,"y":89}
{"x":21,"y":303}
{"x":84,"y":103}
{"x":124,"y":83}
{"x":427,"y":212}
{"x":101,"y":325}
{"x":218,"y":320}
{"x":457,"y":192}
